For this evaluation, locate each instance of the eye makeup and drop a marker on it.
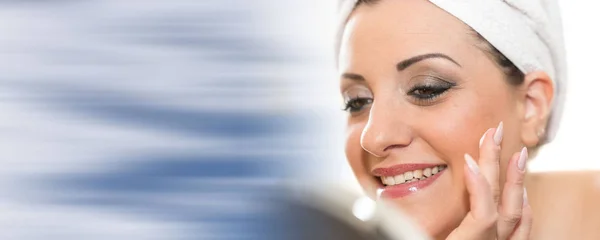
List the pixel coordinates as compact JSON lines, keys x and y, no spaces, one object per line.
{"x":424,"y":90}
{"x":357,"y":98}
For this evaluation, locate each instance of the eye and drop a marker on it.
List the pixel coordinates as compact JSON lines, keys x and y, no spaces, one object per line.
{"x":427,"y":92}
{"x":357,"y":104}
{"x":429,"y":89}
{"x":357,"y":98}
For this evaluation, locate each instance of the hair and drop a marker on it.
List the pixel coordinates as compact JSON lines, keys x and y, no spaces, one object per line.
{"x":513,"y":75}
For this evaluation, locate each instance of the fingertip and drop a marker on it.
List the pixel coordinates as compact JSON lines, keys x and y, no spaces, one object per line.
{"x":522,"y":159}
{"x":483,"y":137}
{"x":499,"y":134}
{"x":514,"y":163}
{"x":471,"y":164}
{"x":526,"y":218}
{"x":515,"y":174}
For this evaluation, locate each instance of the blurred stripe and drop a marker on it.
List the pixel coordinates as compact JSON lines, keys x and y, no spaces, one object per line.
{"x":143,"y":119}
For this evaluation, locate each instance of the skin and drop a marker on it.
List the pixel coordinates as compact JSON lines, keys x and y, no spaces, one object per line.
{"x":573,"y":212}
{"x":398,"y":127}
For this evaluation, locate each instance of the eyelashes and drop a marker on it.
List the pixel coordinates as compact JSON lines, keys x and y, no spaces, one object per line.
{"x":426,"y":91}
{"x":357,"y":104}
{"x":423,"y":94}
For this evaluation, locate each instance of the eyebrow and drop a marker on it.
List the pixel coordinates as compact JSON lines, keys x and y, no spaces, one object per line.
{"x":405,"y":64}
{"x":408,"y":62}
{"x":353,"y":76}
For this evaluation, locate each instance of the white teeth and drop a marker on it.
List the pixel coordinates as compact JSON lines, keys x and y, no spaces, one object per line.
{"x":427,"y":172}
{"x":384,"y":180}
{"x":411,"y":176}
{"x":391,"y":181}
{"x":388,"y":180}
{"x":418,"y":173}
{"x":408,"y":175}
{"x":399,"y":179}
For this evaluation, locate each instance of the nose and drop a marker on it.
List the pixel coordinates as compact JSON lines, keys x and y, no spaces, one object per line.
{"x":386,"y":130}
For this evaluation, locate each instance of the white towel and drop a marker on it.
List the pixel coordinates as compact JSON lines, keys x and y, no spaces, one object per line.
{"x":528,"y":32}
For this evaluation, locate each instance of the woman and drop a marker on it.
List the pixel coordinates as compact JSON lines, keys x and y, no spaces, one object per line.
{"x":446,"y":100}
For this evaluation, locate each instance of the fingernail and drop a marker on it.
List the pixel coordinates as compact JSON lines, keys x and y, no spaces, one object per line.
{"x":522,"y":159}
{"x":525,"y":199}
{"x":483,"y":137}
{"x":472,"y":164}
{"x":498,"y":134}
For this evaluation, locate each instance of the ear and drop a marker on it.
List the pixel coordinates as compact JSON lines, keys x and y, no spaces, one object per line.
{"x":538,"y":91}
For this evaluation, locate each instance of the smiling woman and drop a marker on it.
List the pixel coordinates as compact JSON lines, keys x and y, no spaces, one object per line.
{"x":423,"y":80}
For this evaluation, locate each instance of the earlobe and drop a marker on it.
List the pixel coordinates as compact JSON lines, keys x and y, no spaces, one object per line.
{"x":538,"y":95}
{"x":541,"y":133}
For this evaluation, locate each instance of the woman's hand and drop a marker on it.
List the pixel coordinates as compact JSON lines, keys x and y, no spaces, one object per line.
{"x":490,"y":216}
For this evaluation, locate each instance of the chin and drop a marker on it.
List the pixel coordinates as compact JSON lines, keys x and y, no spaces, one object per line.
{"x":438,"y":208}
{"x":437,"y":222}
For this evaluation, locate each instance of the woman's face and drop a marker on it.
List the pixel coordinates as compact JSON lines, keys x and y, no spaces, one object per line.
{"x":420,"y":94}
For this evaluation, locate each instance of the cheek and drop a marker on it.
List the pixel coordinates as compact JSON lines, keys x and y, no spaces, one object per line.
{"x":353,"y":148}
{"x":455,"y":128}
{"x":357,"y":157}
{"x":456,"y":135}
{"x":451,"y":131}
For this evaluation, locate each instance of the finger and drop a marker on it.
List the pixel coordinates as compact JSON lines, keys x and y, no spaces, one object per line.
{"x":489,"y":159}
{"x":480,"y":222}
{"x":512,"y":196}
{"x":524,"y":227}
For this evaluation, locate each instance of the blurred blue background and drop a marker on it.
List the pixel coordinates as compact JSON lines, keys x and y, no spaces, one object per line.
{"x":153,"y":119}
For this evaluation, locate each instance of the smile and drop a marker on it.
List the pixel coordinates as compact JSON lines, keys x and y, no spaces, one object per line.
{"x":402,"y":180}
{"x":412,"y":176}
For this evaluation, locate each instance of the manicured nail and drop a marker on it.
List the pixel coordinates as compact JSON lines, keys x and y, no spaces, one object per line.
{"x":483,"y":137}
{"x":522,"y":159}
{"x":472,"y":164}
{"x":498,"y":134}
{"x":525,"y":199}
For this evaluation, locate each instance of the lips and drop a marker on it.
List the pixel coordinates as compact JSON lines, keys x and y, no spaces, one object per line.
{"x":404,"y":179}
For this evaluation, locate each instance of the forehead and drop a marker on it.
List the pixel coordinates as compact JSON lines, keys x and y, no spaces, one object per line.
{"x":393,"y":30}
